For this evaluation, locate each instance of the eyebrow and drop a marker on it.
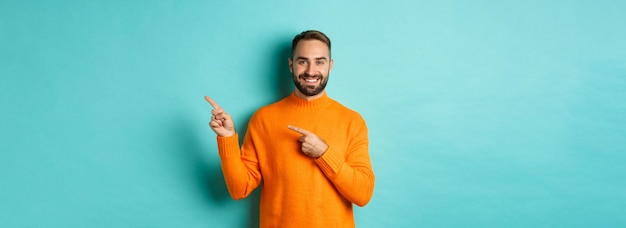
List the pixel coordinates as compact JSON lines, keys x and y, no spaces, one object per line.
{"x":305,"y":58}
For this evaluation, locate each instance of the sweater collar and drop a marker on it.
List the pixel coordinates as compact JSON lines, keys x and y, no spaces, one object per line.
{"x":312,"y":105}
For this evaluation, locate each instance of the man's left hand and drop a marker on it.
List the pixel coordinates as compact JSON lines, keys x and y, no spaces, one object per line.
{"x":312,"y":145}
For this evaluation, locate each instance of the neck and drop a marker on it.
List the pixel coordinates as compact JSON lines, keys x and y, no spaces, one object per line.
{"x":304,"y":104}
{"x":309,"y":98}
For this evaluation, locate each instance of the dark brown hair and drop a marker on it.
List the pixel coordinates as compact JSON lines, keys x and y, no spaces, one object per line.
{"x":310,"y":35}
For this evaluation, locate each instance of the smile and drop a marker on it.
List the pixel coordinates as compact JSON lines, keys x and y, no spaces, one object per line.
{"x":310,"y":80}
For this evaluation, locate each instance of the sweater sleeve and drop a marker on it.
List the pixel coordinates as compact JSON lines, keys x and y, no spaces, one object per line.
{"x":352,"y":175}
{"x":241,"y":171}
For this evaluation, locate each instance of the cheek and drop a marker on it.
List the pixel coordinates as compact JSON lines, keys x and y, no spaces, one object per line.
{"x":298,"y":70}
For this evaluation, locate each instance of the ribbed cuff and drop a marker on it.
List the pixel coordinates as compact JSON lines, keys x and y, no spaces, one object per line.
{"x":228,"y":146}
{"x":330,"y":162}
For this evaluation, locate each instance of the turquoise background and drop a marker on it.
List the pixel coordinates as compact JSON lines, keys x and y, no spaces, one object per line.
{"x":481,"y":113}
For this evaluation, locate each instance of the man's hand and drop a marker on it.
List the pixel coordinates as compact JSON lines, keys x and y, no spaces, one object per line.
{"x":312,"y":145}
{"x":221,"y":123}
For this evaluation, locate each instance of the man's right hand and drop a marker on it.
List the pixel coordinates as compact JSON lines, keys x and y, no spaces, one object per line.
{"x":221,"y":123}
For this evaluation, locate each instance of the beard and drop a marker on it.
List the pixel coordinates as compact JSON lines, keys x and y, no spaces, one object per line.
{"x":310,"y":90}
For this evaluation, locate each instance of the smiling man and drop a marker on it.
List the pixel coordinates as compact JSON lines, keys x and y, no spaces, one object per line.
{"x":310,"y":151}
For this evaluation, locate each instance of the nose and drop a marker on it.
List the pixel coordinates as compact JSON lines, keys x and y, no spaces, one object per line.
{"x":309,"y":69}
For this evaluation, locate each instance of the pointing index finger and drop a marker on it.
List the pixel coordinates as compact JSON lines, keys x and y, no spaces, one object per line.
{"x":212,"y":102}
{"x":299,"y":130}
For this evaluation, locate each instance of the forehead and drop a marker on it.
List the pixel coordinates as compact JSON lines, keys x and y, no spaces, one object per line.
{"x":311,"y":49}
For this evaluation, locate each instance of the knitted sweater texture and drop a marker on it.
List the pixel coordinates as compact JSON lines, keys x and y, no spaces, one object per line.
{"x":296,"y":190}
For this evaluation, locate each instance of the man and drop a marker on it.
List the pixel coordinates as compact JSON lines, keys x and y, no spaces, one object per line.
{"x":310,"y":151}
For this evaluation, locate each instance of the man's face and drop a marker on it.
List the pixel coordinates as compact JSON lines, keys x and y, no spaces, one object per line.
{"x":310,"y":67}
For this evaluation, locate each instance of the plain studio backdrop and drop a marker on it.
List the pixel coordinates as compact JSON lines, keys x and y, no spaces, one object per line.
{"x":480,"y":113}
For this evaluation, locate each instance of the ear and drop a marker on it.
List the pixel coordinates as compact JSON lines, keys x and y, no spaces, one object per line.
{"x":290,"y":65}
{"x":332,"y":61}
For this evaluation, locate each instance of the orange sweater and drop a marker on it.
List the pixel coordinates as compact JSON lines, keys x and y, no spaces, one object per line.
{"x":299,"y":191}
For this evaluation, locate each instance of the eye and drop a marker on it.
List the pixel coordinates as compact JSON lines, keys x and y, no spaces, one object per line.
{"x":301,"y":62}
{"x":319,"y":62}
